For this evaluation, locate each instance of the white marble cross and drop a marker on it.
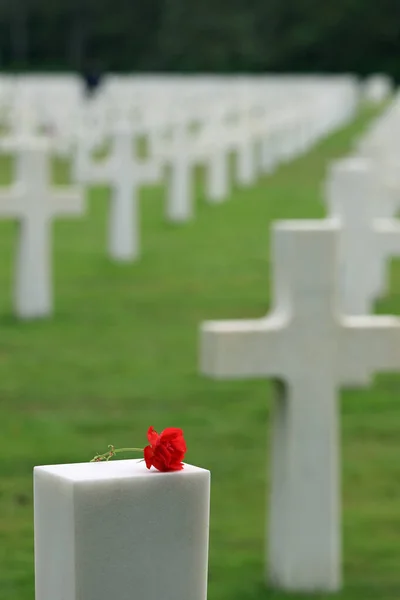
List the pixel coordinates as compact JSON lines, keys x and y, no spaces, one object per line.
{"x":32,"y":202}
{"x":116,"y":531}
{"x":268,"y":156}
{"x":182,"y":149}
{"x":124,"y":173}
{"x":311,"y":351}
{"x":218,"y":174}
{"x":368,"y":237}
{"x":218,"y":163}
{"x":246,"y":164}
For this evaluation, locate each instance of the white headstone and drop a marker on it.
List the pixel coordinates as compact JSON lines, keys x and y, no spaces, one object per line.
{"x":312,"y":351}
{"x":124,"y":173}
{"x":115,"y":530}
{"x":32,"y":202}
{"x":358,"y":198}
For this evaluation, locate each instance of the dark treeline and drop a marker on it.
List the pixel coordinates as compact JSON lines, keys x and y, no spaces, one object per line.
{"x":360,"y":36}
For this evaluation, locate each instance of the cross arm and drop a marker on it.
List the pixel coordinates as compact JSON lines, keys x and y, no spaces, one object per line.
{"x":9,"y":144}
{"x":68,"y":201}
{"x":98,"y":172}
{"x":11,"y":201}
{"x":388,"y":231}
{"x":370,"y":344}
{"x":149,"y":172}
{"x":242,"y":349}
{"x":88,"y":171}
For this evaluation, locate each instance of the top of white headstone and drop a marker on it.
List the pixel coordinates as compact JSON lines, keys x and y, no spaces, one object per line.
{"x":304,"y":226}
{"x":118,"y":469}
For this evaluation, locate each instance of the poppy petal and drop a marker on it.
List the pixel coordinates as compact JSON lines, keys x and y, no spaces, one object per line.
{"x":171,"y":433}
{"x":148,"y":456}
{"x":152,"y":436}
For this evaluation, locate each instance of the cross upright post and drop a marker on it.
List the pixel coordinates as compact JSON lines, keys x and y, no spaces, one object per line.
{"x":218,"y":163}
{"x":311,"y":351}
{"x":180,"y":193}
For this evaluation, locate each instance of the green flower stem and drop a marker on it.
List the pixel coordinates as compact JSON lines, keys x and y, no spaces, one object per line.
{"x":128,"y":450}
{"x":107,"y":455}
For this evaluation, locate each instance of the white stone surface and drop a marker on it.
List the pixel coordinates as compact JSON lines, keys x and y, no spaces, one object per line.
{"x":311,"y":351}
{"x":118,"y":531}
{"x":357,"y":196}
{"x":32,"y":202}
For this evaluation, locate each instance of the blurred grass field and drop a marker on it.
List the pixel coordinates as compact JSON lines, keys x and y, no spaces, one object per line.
{"x":120,"y":354}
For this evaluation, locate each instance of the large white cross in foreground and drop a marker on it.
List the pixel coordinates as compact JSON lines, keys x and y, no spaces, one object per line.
{"x":368,"y":236}
{"x":312,"y":351}
{"x":32,"y":202}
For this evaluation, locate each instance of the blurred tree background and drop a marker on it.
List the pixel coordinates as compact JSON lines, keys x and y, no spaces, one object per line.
{"x":222,"y":36}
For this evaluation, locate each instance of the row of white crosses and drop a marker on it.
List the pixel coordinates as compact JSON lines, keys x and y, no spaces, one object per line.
{"x":381,"y":144}
{"x":121,"y":102}
{"x":241,"y":126}
{"x":318,"y":338}
{"x":260,"y":139}
{"x":57,"y":105}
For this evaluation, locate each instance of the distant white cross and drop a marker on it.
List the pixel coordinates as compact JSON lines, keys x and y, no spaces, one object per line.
{"x":312,"y":351}
{"x":368,"y":236}
{"x":32,"y":202}
{"x":218,"y":172}
{"x":180,"y":193}
{"x":246,"y":166}
{"x":124,"y":173}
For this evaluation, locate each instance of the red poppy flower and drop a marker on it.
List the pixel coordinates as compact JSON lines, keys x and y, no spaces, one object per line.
{"x":167,"y":449}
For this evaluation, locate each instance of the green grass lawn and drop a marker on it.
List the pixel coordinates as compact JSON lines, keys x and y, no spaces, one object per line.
{"x":120,"y":354}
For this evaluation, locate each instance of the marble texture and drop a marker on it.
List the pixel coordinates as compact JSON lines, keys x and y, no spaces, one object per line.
{"x":310,"y":351}
{"x":118,"y":531}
